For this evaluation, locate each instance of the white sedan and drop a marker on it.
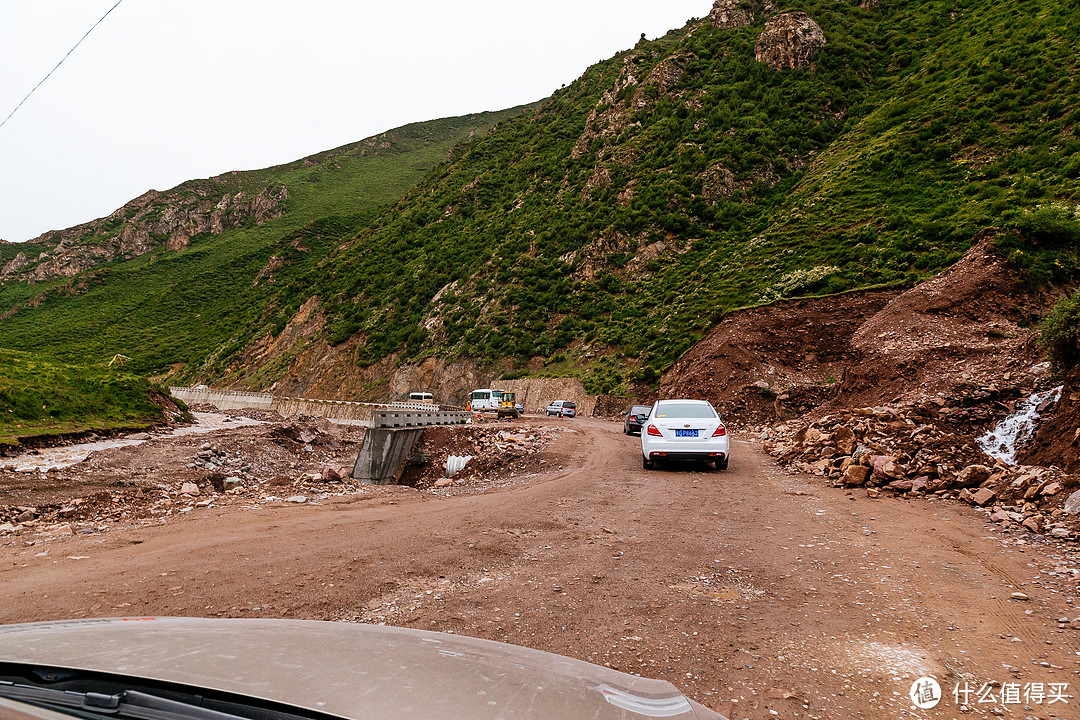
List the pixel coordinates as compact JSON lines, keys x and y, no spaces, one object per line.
{"x":679,"y":430}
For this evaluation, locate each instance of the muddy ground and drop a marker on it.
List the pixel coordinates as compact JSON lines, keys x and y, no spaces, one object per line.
{"x":759,"y":592}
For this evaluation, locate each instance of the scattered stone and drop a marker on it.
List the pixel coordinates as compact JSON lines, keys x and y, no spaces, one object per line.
{"x":973,"y":475}
{"x":67,"y":511}
{"x":298,"y":499}
{"x":189,"y":488}
{"x":1060,"y":533}
{"x":1019,"y":596}
{"x":231,"y":483}
{"x":1072,"y":505}
{"x":444,"y":482}
{"x":1051,"y":489}
{"x":983,"y":497}
{"x":1032,"y":523}
{"x":1000,"y":516}
{"x":216,"y":480}
{"x":856,"y":475}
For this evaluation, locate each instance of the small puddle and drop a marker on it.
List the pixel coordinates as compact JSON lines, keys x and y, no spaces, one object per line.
{"x":68,"y":455}
{"x":1015,"y":431}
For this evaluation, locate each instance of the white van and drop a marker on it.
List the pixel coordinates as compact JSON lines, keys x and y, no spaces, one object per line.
{"x":421,"y":397}
{"x":485,"y":400}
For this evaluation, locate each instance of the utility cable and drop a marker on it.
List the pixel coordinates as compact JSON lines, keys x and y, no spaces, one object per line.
{"x":59,"y":63}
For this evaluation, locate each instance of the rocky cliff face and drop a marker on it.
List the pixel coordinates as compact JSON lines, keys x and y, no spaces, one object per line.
{"x":151,"y":221}
{"x":790,"y":40}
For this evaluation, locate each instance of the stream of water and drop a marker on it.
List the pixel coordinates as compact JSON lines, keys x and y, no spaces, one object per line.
{"x":1015,"y":431}
{"x":67,"y":455}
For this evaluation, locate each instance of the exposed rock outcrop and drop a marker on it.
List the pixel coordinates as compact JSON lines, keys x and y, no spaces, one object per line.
{"x":730,"y":14}
{"x":151,"y":221}
{"x":789,"y":41}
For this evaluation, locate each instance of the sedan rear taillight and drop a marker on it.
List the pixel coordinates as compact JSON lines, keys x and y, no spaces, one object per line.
{"x":654,"y":432}
{"x":720,"y":431}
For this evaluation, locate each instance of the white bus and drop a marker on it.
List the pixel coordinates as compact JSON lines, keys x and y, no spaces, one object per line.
{"x":485,"y":400}
{"x":421,"y":397}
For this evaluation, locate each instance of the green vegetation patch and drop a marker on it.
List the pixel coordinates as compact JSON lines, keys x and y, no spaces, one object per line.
{"x":39,"y":397}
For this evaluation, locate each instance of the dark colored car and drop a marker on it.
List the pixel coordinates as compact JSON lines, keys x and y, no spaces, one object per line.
{"x":635,"y":418}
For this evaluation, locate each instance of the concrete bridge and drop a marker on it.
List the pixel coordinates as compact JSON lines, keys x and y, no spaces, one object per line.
{"x":393,"y":428}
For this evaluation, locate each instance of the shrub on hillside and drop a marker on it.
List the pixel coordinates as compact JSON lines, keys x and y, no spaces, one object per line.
{"x":1060,"y":334}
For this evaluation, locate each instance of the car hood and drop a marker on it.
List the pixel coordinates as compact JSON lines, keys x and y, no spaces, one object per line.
{"x":348,"y":670}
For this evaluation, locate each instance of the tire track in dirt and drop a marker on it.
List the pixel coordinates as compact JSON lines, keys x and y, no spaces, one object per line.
{"x":754,"y":590}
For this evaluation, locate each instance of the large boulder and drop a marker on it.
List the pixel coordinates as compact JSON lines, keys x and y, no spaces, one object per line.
{"x":789,"y":41}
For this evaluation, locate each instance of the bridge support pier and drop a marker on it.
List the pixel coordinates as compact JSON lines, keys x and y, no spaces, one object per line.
{"x":383,"y":453}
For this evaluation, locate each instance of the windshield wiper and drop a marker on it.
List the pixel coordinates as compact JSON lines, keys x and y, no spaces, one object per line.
{"x":124,"y":704}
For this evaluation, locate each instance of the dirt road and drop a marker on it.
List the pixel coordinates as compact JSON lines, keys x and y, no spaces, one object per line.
{"x":753,"y":590}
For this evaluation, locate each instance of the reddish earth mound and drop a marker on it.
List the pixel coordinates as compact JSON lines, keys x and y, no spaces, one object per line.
{"x":963,"y":336}
{"x":964,"y":329}
{"x":781,"y":356}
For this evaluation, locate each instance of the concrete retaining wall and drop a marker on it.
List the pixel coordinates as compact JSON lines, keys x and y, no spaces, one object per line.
{"x":288,"y":406}
{"x":222,"y":399}
{"x":537,"y":393}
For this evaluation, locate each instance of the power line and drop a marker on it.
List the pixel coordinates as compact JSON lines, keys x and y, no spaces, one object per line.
{"x":59,"y":63}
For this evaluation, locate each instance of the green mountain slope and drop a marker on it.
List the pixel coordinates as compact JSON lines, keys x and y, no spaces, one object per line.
{"x":171,"y":308}
{"x":626,"y":217}
{"x":604,"y":231}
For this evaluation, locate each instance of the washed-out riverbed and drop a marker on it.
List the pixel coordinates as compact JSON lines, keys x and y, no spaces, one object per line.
{"x":67,"y":455}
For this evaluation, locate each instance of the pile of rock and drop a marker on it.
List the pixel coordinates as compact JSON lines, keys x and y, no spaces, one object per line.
{"x":492,"y":451}
{"x":909,"y":449}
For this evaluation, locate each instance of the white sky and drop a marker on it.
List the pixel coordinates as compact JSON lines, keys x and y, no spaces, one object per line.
{"x":169,"y":90}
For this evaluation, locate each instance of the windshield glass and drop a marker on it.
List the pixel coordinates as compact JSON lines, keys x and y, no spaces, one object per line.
{"x":640,"y":410}
{"x":685,"y":410}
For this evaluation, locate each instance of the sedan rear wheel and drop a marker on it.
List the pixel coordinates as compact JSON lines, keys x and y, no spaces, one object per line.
{"x":647,"y":464}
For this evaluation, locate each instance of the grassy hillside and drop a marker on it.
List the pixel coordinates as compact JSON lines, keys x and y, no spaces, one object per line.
{"x":171,"y":310}
{"x":919,"y":125}
{"x":603,"y":232}
{"x":38,"y":397}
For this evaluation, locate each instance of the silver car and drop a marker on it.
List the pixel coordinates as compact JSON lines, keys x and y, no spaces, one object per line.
{"x":202,"y":669}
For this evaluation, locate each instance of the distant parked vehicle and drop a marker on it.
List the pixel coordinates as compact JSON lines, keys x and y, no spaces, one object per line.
{"x":422,"y":397}
{"x":485,"y":400}
{"x":684,"y":430}
{"x":562,"y":408}
{"x":634,"y":419}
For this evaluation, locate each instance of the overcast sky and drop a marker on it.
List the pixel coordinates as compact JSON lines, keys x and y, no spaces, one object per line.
{"x":169,"y":90}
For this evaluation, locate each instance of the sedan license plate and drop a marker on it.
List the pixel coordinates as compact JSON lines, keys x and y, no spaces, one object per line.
{"x":686,"y":433}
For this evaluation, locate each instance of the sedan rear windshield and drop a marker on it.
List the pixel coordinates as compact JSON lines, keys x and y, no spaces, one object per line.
{"x":640,"y":410}
{"x":569,"y":405}
{"x":684,"y":410}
